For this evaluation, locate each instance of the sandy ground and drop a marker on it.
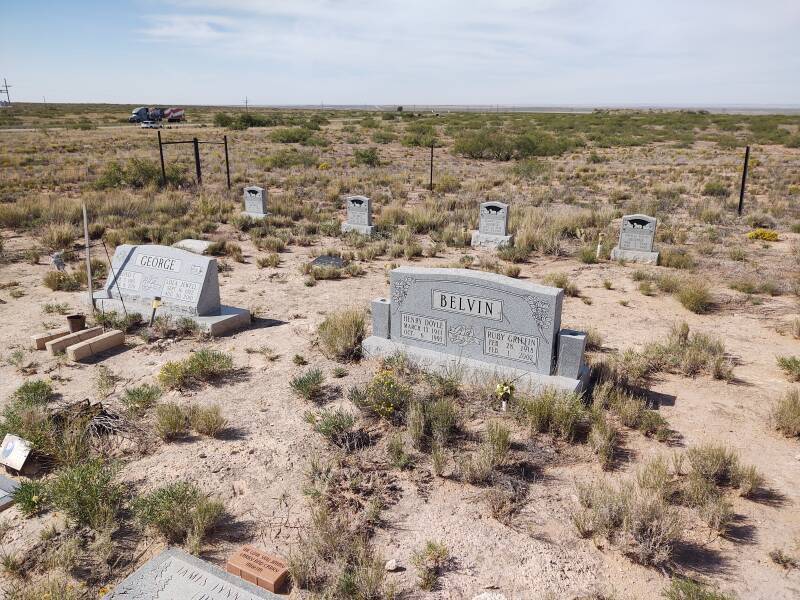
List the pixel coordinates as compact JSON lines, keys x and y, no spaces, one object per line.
{"x":258,"y":467}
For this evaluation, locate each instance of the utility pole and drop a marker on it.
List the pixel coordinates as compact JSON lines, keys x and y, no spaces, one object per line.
{"x":245,"y":104}
{"x":4,"y":90}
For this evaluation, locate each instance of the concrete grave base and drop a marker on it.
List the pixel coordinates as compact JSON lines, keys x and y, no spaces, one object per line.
{"x":7,"y":489}
{"x":491,"y":241}
{"x":177,"y":575}
{"x":253,"y":215}
{"x":229,"y":318}
{"x":649,"y":258}
{"x":191,"y":245}
{"x":437,"y":361}
{"x":362,"y":229}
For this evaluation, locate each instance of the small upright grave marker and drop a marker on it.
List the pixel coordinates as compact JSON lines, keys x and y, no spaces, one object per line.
{"x":176,"y":575}
{"x":187,"y":285}
{"x":636,"y":236}
{"x":359,"y":215}
{"x":485,"y":322}
{"x":255,"y":202}
{"x":492,"y":226}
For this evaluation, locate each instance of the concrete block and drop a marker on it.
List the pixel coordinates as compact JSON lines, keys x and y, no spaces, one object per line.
{"x":381,"y":311}
{"x":62,"y":343}
{"x":105,"y":341}
{"x":40,"y":339}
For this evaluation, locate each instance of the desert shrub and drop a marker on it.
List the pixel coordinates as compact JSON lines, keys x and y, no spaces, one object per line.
{"x":203,"y":365}
{"x":34,"y":392}
{"x":290,"y":135}
{"x":719,"y":466}
{"x":272,"y":260}
{"x":180,"y":512}
{"x":138,"y":173}
{"x":716,"y":188}
{"x":686,"y":589}
{"x":61,"y":281}
{"x":786,"y":413}
{"x":675,"y":258}
{"x":58,"y":236}
{"x":653,"y":527}
{"x":207,"y":420}
{"x":171,"y":421}
{"x":290,"y":157}
{"x":603,"y":440}
{"x":554,"y":412}
{"x":336,"y":426}
{"x":123,"y":321}
{"x":367,"y":156}
{"x":396,"y":451}
{"x":52,"y":587}
{"x":561,"y":280}
{"x":790,"y":365}
{"x":765,"y":235}
{"x":341,"y":334}
{"x":30,"y":497}
{"x":430,"y":562}
{"x":309,"y":385}
{"x":587,"y":255}
{"x":385,"y":397}
{"x":498,"y":439}
{"x":695,"y":296}
{"x":447,"y":183}
{"x":87,"y":494}
{"x":139,"y":399}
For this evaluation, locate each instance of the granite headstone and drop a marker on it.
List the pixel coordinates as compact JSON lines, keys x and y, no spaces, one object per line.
{"x":482,"y":321}
{"x":176,"y":575}
{"x":492,"y":226}
{"x":181,"y":283}
{"x":636,"y":237}
{"x":255,"y":202}
{"x":359,"y":215}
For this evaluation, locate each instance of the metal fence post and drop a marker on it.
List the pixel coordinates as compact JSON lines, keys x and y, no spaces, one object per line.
{"x":227,"y":166}
{"x":161,"y":154}
{"x":744,"y":179}
{"x":197,"y":160}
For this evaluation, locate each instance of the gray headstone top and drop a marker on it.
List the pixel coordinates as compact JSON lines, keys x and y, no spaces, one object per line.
{"x":177,"y":575}
{"x":255,"y":200}
{"x":493,"y":219}
{"x":186,"y":283}
{"x":637,"y":232}
{"x":482,"y":316}
{"x":359,"y":210}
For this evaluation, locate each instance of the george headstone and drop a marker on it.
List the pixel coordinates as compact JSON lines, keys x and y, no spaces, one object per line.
{"x":180,"y":283}
{"x":257,"y":567}
{"x":255,"y":202}
{"x":176,"y":575}
{"x":359,"y":215}
{"x":7,"y":489}
{"x":445,"y":318}
{"x":636,"y":237}
{"x":492,"y":226}
{"x":14,"y":452}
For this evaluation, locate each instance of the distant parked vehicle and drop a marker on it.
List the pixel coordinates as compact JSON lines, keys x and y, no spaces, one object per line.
{"x":151,"y":125}
{"x":155,"y":114}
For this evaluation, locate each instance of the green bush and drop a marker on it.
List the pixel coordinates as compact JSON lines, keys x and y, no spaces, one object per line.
{"x":290,"y":135}
{"x":385,"y":396}
{"x":139,"y":399}
{"x":336,"y":426}
{"x":172,"y":421}
{"x":179,"y":512}
{"x":309,"y":385}
{"x":686,"y":589}
{"x":716,"y":188}
{"x":30,"y":497}
{"x":139,"y":173}
{"x":87,"y":493}
{"x":367,"y":156}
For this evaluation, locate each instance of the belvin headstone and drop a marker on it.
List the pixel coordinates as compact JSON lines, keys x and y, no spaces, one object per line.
{"x":492,"y":226}
{"x":359,"y":215}
{"x":255,"y":202}
{"x":444,"y":318}
{"x":176,"y":575}
{"x":179,"y":283}
{"x":636,"y":236}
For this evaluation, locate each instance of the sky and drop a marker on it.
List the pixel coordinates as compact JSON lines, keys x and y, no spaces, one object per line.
{"x":506,"y":52}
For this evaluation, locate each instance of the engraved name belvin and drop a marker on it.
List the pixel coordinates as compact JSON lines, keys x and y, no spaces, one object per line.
{"x":467,"y":305}
{"x":161,"y":263}
{"x":425,"y":329}
{"x":514,"y":346}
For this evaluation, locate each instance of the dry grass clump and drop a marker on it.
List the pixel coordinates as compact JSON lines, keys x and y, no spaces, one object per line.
{"x":686,"y":589}
{"x":87,"y":494}
{"x":791,"y":366}
{"x":341,"y":334}
{"x":204,"y":365}
{"x":180,"y":512}
{"x":603,"y":439}
{"x":338,"y":427}
{"x":695,"y":295}
{"x":207,"y":420}
{"x":561,"y":280}
{"x":430,"y":562}
{"x":308,"y":385}
{"x":786,"y":413}
{"x":552,"y":411}
{"x":58,"y":236}
{"x":640,"y":521}
{"x":719,"y":466}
